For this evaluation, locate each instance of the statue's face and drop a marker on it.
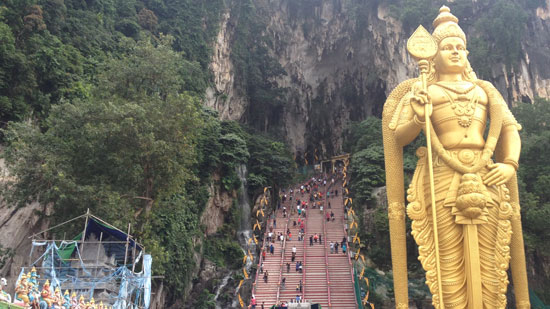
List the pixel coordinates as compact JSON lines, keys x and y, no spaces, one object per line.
{"x":451,"y":56}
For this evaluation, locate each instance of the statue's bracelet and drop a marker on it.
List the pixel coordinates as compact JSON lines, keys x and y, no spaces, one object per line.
{"x":511,"y":162}
{"x":418,"y":122}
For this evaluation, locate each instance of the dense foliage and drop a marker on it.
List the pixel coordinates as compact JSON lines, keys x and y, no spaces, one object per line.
{"x":534,"y":181}
{"x":52,"y":50}
{"x":134,"y":118}
{"x":367,"y":170}
{"x":125,"y":151}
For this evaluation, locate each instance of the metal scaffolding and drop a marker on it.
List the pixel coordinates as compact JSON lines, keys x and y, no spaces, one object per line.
{"x":102,"y":262}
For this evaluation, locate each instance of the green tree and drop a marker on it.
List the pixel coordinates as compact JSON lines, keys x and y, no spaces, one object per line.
{"x":534,"y":171}
{"x":130,"y":144}
{"x":270,"y":163}
{"x":15,"y":77}
{"x":205,"y":300}
{"x":534,"y":168}
{"x":170,"y":237}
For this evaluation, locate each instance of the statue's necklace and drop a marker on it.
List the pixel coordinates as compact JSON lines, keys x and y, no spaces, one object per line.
{"x":465,"y":106}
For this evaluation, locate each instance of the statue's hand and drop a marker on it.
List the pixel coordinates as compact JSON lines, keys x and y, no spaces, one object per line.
{"x":418,"y":102}
{"x":500,"y":174}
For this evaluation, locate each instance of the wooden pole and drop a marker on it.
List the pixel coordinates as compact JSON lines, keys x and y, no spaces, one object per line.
{"x":127,"y":244}
{"x":97,"y":255}
{"x":53,"y":227}
{"x":134,"y":257}
{"x":84,"y":232}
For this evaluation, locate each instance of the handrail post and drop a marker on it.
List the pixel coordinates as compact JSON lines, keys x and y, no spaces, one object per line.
{"x":325,"y":245}
{"x":304,"y":254}
{"x":260,"y":259}
{"x":347,"y":252}
{"x":283,"y":250}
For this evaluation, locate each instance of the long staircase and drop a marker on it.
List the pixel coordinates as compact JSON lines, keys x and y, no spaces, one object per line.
{"x":327,"y":277}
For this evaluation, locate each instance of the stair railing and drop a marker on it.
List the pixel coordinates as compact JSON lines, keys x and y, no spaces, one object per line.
{"x":325,"y":209}
{"x":283,"y":251}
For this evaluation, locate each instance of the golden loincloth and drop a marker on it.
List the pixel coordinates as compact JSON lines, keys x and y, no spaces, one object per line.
{"x":494,"y":232}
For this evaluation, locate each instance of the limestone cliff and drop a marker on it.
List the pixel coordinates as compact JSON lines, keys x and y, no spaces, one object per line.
{"x":17,"y":224}
{"x":342,"y":58}
{"x":217,"y":207}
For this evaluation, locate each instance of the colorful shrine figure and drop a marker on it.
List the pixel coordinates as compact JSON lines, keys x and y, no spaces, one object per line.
{"x":91,"y":304}
{"x":81,"y":302}
{"x":46,"y":298}
{"x":5,"y":297}
{"x":74,"y":300}
{"x":22,"y":291}
{"x":33,"y":277}
{"x":34,"y":293}
{"x":66,"y":300}
{"x":57,"y":299}
{"x":476,"y":208}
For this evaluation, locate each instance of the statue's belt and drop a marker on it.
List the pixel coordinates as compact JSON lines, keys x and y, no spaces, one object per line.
{"x":467,"y":157}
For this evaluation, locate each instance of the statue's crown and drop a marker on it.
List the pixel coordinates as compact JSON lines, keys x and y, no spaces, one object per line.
{"x":446,"y":26}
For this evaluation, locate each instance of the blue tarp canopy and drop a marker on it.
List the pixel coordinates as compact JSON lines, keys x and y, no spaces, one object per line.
{"x":109,"y":233}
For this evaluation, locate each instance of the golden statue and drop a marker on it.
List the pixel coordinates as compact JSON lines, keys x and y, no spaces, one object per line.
{"x":463,"y":203}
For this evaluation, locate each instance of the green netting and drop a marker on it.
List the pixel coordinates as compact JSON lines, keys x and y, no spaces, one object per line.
{"x":536,"y":302}
{"x":357,"y":289}
{"x":361,"y":287}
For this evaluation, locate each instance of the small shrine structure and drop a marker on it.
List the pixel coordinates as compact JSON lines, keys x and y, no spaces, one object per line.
{"x":101,"y":265}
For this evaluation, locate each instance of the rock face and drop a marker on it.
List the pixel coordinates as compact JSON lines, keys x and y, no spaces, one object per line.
{"x":342,"y":58}
{"x":224,"y":96}
{"x":17,"y":224}
{"x":217,"y":207}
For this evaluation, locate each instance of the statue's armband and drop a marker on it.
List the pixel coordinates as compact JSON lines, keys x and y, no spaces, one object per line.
{"x":509,"y":118}
{"x":407,"y":113}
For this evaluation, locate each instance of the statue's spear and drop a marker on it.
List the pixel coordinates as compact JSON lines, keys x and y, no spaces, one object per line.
{"x":422,"y":47}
